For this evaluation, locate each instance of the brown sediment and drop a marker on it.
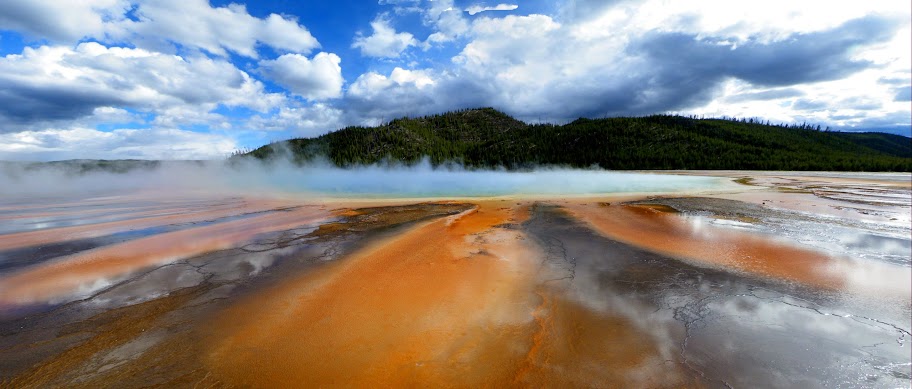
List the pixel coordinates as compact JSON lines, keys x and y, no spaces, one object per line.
{"x":745,"y":181}
{"x":657,"y":207}
{"x":349,"y":212}
{"x":63,"y":276}
{"x":366,"y":218}
{"x":91,"y":363}
{"x":669,"y":234}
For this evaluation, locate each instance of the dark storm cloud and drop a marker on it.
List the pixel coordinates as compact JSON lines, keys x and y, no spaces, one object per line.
{"x":632,"y":96}
{"x":685,"y":66}
{"x":891,"y":122}
{"x":801,"y":58}
{"x":36,"y":20}
{"x":605,"y":95}
{"x":30,"y":103}
{"x":676,"y":71}
{"x":391,"y":103}
{"x":395,"y":101}
{"x":46,"y":85}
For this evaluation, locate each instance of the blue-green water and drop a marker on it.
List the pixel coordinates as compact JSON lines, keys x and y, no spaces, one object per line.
{"x":372,"y":181}
{"x":426,"y":182}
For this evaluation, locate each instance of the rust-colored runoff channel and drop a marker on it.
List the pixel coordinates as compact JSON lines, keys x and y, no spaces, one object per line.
{"x":64,"y":276}
{"x":446,"y":301}
{"x":452,"y":302}
{"x":658,"y":229}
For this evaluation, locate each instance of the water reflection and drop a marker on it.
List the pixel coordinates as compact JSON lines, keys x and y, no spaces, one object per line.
{"x":722,"y":327}
{"x":543,"y":302}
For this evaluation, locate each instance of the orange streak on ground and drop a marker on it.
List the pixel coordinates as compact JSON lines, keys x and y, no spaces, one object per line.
{"x":66,"y":275}
{"x":448,"y":301}
{"x":669,"y":234}
{"x":452,"y":302}
{"x":574,"y":347}
{"x":181,"y":215}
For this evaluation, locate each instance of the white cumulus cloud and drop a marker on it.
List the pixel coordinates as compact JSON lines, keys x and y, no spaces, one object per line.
{"x":475,"y":9}
{"x":385,"y":41}
{"x":374,"y":98}
{"x":60,"y":83}
{"x":371,"y":85}
{"x":157,"y":25}
{"x":87,"y":143}
{"x":314,"y":79}
{"x":60,"y":20}
{"x":217,"y":30}
{"x":308,"y":121}
{"x":448,"y":22}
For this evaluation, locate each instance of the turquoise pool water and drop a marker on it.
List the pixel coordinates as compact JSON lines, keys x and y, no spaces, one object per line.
{"x":426,"y":182}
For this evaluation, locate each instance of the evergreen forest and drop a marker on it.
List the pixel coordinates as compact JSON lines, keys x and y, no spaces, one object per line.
{"x":487,"y":138}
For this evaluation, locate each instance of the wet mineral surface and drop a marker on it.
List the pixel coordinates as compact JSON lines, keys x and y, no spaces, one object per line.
{"x":762,"y":286}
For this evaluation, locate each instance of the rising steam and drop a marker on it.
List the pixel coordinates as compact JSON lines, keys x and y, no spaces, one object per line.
{"x":280,"y":177}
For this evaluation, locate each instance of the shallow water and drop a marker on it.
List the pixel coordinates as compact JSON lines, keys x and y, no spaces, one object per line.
{"x":726,"y":328}
{"x":420,"y":180}
{"x":702,"y":283}
{"x":423,"y":181}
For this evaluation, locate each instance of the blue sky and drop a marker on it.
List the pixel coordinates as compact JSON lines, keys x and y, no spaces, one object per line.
{"x":197,"y":79}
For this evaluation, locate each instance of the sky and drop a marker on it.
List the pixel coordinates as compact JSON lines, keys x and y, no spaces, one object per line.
{"x":198,"y":79}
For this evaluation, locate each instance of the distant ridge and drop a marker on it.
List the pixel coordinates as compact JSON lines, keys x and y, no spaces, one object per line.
{"x":486,"y":138}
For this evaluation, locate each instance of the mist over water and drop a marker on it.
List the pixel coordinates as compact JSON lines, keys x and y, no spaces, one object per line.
{"x":166,"y":254}
{"x":424,"y":181}
{"x":324,"y":179}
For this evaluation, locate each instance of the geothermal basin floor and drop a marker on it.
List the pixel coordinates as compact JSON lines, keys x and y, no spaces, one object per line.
{"x":788,"y":282}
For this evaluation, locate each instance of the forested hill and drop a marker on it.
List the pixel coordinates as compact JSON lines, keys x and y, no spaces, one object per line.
{"x":480,"y":138}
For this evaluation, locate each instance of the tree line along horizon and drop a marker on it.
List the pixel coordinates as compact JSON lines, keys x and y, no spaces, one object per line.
{"x":486,"y":138}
